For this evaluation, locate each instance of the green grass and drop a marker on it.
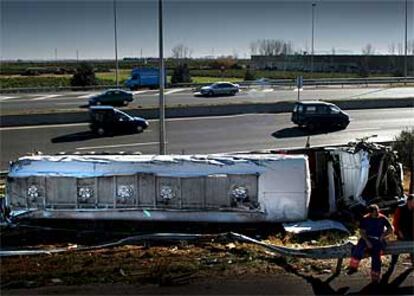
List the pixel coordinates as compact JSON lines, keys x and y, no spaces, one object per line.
{"x":37,"y":81}
{"x":123,"y":75}
{"x":203,"y":79}
{"x":198,"y":76}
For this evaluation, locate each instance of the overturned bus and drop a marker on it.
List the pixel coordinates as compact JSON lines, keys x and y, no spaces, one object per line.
{"x":277,"y":186}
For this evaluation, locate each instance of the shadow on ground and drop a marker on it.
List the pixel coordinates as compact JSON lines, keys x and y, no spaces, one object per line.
{"x":323,"y":287}
{"x":291,"y":132}
{"x":86,"y":135}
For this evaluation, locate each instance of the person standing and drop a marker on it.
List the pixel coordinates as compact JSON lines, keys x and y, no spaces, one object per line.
{"x":374,"y":228}
{"x":403,"y":223}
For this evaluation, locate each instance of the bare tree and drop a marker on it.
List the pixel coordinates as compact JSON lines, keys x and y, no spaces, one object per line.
{"x":287,"y":48}
{"x":391,"y":48}
{"x":333,"y":51}
{"x":410,"y":47}
{"x":271,"y":47}
{"x":400,"y":49}
{"x":235,"y":54}
{"x":368,"y":49}
{"x":180,"y":51}
{"x":253,"y":47}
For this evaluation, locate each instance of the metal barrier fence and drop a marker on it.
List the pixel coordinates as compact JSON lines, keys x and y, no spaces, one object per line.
{"x":256,"y":83}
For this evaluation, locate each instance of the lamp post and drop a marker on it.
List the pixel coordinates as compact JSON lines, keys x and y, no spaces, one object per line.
{"x":313,"y":36}
{"x":116,"y":46}
{"x":163,"y":147}
{"x":405,"y":41}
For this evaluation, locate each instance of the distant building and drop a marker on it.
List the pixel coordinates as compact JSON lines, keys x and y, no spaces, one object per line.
{"x":334,"y":63}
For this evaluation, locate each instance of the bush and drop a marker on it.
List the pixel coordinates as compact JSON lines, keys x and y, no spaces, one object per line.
{"x":33,"y":81}
{"x":84,"y":76}
{"x":404,"y":145}
{"x":249,"y":75}
{"x":181,"y":74}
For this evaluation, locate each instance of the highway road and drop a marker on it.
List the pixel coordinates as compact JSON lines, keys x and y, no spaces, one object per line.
{"x":201,"y":135}
{"x":65,"y":101}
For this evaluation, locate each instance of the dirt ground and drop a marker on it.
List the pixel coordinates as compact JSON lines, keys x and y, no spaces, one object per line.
{"x":209,"y":268}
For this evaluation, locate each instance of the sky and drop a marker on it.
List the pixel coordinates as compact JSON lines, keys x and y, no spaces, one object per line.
{"x":35,"y":29}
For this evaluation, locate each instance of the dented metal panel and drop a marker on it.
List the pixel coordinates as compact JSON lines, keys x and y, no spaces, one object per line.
{"x":106,"y":192}
{"x":244,"y":189}
{"x":193,"y":192}
{"x":146,"y":190}
{"x":17,"y":190}
{"x":35,"y":192}
{"x":217,"y":191}
{"x":86,"y":193}
{"x":61,"y":192}
{"x":126,"y":191}
{"x":168,"y":192}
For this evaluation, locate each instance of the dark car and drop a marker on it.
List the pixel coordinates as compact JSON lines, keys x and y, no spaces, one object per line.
{"x":108,"y":120}
{"x":319,"y":114}
{"x":113,"y":97}
{"x":220,"y":88}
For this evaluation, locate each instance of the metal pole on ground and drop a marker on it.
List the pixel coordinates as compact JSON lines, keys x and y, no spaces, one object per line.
{"x":405,"y":43}
{"x":163,"y":148}
{"x":116,"y":45}
{"x":313,"y":36}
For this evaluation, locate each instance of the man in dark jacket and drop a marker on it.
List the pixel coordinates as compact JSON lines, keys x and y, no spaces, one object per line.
{"x":374,"y":228}
{"x":403,"y":223}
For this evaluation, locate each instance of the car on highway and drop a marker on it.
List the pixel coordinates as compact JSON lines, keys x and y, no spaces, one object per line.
{"x":317,"y":114}
{"x":107,"y":120}
{"x":220,"y":88}
{"x":113,"y":97}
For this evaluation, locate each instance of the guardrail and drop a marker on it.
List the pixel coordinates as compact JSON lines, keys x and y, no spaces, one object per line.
{"x":291,"y":83}
{"x":313,"y":82}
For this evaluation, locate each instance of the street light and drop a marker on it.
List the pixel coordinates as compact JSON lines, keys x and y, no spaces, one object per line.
{"x":313,"y":36}
{"x":116,"y":45}
{"x":406,"y":51}
{"x":163,"y":147}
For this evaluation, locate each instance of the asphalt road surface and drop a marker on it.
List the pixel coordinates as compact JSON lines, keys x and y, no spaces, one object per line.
{"x":64,"y":101}
{"x":201,"y":135}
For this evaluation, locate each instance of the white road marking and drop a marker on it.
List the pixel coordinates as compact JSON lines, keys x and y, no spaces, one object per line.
{"x":66,"y":103}
{"x":174,"y":90}
{"x":218,"y":117}
{"x":137,"y":92}
{"x":118,"y":146}
{"x":45,"y":97}
{"x":87,"y":96}
{"x":42,"y":126}
{"x":6,"y":98}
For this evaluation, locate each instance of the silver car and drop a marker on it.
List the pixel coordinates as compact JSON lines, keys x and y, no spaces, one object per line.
{"x":220,"y":88}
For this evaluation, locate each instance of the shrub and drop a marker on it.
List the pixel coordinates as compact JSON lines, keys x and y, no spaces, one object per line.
{"x":181,"y":74}
{"x":404,"y":145}
{"x":249,"y":75}
{"x":84,"y":76}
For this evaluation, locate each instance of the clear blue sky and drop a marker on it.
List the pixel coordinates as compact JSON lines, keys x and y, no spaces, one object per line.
{"x":32,"y":29}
